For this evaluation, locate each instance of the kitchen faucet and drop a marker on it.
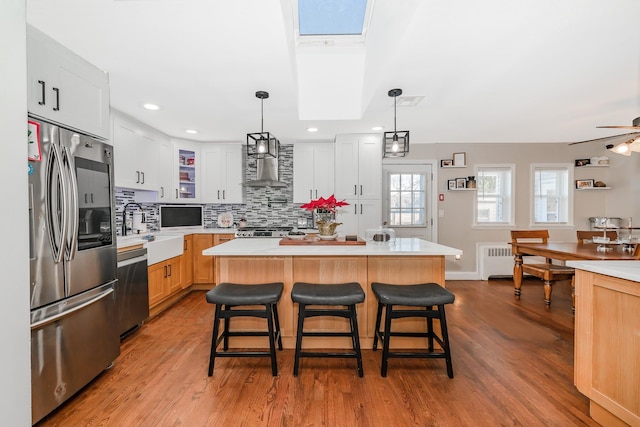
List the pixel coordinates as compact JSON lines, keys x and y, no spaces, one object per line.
{"x":124,"y":216}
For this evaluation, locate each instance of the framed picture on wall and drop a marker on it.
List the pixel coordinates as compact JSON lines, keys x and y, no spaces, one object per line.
{"x":461,"y":182}
{"x":446,"y":163}
{"x":584,"y":183}
{"x":452,"y":184}
{"x":460,"y":159}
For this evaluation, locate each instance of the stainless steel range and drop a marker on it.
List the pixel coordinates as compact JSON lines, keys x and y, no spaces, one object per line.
{"x":263,"y":231}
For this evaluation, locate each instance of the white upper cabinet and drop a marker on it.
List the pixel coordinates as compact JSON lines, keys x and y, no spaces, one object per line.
{"x":165,"y":170}
{"x":313,"y":166}
{"x":359,"y":180}
{"x":135,"y":153}
{"x":358,"y":163}
{"x":222,"y":173}
{"x":64,"y":88}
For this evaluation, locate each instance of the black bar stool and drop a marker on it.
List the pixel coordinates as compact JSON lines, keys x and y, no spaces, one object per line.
{"x":427,"y":295}
{"x":345,"y":294}
{"x":227,"y":297}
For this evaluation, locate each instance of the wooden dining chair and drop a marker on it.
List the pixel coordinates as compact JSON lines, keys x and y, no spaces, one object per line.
{"x":548,"y":272}
{"x":588,"y":235}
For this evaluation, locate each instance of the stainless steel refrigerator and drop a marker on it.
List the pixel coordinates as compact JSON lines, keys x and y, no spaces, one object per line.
{"x":74,"y":335}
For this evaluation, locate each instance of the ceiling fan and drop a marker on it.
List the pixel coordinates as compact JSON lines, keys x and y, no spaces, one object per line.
{"x":621,"y":144}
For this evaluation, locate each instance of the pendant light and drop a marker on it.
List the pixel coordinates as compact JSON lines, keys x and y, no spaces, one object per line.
{"x":262,"y":144}
{"x":396,"y":143}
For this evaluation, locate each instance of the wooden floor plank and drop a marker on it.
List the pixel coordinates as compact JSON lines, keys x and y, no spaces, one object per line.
{"x":512,"y":360}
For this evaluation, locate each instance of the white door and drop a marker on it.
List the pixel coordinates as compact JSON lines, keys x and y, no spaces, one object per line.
{"x":408,"y":203}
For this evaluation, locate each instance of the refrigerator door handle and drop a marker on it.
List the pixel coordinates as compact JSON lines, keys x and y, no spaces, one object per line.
{"x":54,"y":172}
{"x":72,"y":242}
{"x":39,"y":324}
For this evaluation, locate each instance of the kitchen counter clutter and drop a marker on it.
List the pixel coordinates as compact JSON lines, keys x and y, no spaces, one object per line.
{"x":264,"y":260}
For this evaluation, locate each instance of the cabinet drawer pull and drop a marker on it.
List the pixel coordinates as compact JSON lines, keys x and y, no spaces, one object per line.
{"x":138,"y":177}
{"x":162,"y":192}
{"x":142,"y":177}
{"x":165,"y":271}
{"x":361,"y":189}
{"x":176,"y":193}
{"x":57,"y":91}
{"x":43,"y":92}
{"x":355,"y":189}
{"x":224,"y":196}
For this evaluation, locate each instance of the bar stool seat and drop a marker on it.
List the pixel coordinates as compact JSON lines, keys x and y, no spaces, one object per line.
{"x":346,"y":295}
{"x":228,"y":297}
{"x":424,"y":295}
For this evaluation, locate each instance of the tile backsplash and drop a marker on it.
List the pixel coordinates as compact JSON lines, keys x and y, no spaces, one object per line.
{"x":264,"y":206}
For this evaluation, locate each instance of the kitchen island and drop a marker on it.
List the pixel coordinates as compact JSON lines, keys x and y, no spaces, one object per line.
{"x":607,"y":339}
{"x":407,"y":261}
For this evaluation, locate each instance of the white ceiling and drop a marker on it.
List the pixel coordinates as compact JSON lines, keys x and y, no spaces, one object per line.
{"x":489,"y":71}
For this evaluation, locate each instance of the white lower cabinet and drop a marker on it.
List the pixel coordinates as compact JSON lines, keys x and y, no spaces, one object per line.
{"x":359,"y":216}
{"x":222,"y":173}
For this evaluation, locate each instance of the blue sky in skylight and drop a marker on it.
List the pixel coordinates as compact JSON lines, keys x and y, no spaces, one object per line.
{"x":331,"y":17}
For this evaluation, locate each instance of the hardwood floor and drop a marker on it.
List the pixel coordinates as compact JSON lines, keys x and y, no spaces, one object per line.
{"x":512,"y":360}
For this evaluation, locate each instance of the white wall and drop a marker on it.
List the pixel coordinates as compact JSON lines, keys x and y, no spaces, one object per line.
{"x":15,"y":394}
{"x":455,"y":227}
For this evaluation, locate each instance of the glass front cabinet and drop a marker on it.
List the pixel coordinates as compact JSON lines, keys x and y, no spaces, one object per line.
{"x":187,"y":158}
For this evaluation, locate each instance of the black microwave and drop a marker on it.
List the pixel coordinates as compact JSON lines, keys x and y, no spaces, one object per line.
{"x":181,"y":216}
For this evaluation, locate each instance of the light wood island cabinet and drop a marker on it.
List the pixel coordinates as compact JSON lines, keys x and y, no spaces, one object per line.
{"x":263,"y":260}
{"x":607,"y":346}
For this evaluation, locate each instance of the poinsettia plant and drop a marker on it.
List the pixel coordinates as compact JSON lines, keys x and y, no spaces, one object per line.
{"x":330,"y":204}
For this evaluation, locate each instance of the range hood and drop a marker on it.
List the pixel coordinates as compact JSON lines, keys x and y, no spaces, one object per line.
{"x":267,"y":174}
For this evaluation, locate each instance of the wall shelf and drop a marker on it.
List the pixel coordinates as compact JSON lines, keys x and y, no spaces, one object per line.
{"x":462,"y":189}
{"x":453,"y":166}
{"x":592,"y":166}
{"x":593,"y":188}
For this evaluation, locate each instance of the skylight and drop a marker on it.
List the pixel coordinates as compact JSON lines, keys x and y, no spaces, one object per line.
{"x":331,"y":17}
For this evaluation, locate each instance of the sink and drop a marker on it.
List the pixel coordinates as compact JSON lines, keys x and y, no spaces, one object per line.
{"x":163,"y":247}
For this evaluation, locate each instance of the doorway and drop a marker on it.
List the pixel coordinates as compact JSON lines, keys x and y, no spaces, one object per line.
{"x":407,"y":204}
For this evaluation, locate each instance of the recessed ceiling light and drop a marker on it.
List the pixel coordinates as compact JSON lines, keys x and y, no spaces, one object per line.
{"x":152,"y":107}
{"x":312,"y":129}
{"x":191,"y":131}
{"x":377,"y":128}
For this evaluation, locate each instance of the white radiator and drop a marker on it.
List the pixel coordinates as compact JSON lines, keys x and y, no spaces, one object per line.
{"x":496,"y":259}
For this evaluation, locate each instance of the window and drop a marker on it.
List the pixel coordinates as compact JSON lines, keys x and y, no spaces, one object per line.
{"x":407,"y":199}
{"x":552,"y":202}
{"x":495,"y":200}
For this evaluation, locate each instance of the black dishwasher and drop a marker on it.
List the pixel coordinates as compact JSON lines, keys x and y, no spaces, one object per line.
{"x":132,"y":290}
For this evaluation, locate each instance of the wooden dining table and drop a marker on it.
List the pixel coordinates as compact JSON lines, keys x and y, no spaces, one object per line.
{"x":564,"y":251}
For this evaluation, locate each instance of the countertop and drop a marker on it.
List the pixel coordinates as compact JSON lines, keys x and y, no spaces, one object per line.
{"x":136,"y":239}
{"x":271,"y":247}
{"x":629,"y":270}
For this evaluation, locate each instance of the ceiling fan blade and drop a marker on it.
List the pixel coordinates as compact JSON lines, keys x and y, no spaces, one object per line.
{"x":619,"y":127}
{"x":634,"y":125}
{"x":625,"y":136}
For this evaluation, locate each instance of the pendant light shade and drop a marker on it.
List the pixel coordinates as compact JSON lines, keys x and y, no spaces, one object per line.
{"x":396,"y":143}
{"x":262,"y":144}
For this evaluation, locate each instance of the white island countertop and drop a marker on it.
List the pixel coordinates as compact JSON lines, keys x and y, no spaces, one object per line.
{"x":629,"y":270}
{"x":271,"y":247}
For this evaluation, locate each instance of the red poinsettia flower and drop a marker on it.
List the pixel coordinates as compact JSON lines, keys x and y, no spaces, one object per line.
{"x":330,"y":204}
